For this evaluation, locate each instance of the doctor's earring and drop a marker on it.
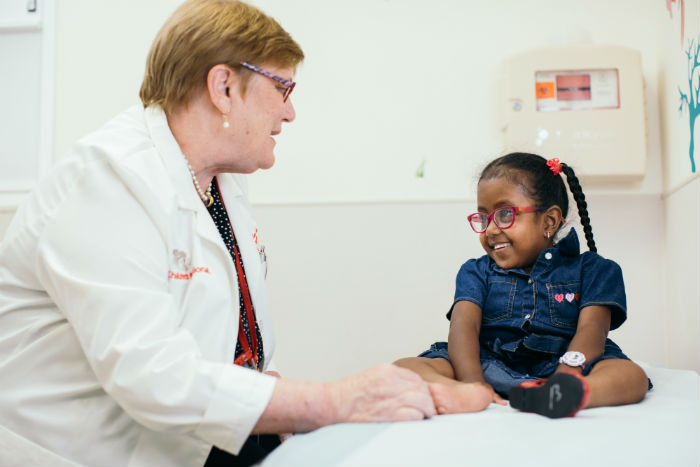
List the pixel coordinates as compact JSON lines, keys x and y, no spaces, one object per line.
{"x":226,"y":124}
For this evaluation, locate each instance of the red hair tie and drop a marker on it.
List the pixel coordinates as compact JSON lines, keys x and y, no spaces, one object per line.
{"x":554,"y":166}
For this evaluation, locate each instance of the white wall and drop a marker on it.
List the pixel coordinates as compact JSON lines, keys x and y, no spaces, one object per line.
{"x":676,"y":32}
{"x":364,"y":275}
{"x":682,"y":283}
{"x":388,"y":84}
{"x":101,"y":49}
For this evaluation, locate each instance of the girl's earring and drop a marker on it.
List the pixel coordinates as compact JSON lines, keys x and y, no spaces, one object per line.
{"x":547,"y":235}
{"x":226,"y":124}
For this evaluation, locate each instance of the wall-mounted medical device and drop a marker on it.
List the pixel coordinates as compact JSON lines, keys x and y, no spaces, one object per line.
{"x":582,"y":104}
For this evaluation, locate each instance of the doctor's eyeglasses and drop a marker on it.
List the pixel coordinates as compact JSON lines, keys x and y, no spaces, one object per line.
{"x":503,"y":217}
{"x":289,"y":85}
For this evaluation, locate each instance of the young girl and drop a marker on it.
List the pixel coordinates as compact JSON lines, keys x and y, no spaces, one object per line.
{"x":530,"y":319}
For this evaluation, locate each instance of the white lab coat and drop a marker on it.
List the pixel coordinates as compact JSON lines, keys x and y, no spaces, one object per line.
{"x":119,"y":307}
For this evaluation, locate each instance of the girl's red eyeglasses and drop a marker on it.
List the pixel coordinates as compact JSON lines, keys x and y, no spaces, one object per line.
{"x":503,"y":217}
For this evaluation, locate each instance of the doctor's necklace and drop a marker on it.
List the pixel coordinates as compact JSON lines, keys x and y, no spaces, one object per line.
{"x":205,"y":197}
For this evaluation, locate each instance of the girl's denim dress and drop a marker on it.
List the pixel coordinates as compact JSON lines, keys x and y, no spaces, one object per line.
{"x":528,"y":320}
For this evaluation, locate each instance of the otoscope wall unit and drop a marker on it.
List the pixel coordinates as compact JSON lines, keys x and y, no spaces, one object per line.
{"x":583,"y":104}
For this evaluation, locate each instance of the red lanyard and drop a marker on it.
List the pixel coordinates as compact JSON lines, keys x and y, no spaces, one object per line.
{"x":250,"y":349}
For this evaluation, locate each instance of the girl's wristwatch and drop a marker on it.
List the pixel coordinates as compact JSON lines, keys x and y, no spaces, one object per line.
{"x":573,"y":358}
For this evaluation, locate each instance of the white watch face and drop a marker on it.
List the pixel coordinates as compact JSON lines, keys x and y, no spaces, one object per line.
{"x":573,"y":358}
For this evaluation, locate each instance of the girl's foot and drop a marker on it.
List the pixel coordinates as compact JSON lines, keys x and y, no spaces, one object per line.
{"x":561,"y":395}
{"x":459,"y":397}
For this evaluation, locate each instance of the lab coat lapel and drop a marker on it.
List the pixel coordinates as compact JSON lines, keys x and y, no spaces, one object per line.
{"x":179,"y":174}
{"x":233,"y":190}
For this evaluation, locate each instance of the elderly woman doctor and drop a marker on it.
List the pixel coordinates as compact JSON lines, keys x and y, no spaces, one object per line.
{"x":134,"y":322}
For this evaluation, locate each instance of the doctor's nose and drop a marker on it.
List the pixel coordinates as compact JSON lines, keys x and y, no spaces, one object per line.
{"x":289,"y":112}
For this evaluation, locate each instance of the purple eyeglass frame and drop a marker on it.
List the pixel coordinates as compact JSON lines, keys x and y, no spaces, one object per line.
{"x":490,"y":217}
{"x":285,"y":82}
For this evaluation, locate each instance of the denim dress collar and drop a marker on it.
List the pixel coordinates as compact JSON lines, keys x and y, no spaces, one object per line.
{"x":568,"y":246}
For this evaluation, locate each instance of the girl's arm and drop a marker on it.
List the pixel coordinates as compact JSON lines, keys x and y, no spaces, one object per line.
{"x":463,"y":342}
{"x":463,"y":345}
{"x":591,"y":331}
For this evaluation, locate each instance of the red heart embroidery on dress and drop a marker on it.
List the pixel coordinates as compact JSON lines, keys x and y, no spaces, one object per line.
{"x":570,"y":297}
{"x":559,"y":297}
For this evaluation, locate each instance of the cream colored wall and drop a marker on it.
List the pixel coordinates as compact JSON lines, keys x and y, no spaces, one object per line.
{"x":385,"y":85}
{"x":682,"y":307}
{"x":101,"y":49}
{"x":354,"y":284}
{"x":388,"y":84}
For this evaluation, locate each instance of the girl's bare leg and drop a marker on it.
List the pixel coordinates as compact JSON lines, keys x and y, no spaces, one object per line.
{"x":616,"y":382}
{"x":449,"y":395}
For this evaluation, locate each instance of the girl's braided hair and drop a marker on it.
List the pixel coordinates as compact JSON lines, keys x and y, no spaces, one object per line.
{"x":532,"y":173}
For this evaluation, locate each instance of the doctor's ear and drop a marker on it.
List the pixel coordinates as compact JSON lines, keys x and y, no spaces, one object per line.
{"x":222,"y":82}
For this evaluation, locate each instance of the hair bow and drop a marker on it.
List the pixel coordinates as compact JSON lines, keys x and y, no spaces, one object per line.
{"x":554,"y":165}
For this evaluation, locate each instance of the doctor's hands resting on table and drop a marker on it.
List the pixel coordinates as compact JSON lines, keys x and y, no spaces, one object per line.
{"x":383,"y":393}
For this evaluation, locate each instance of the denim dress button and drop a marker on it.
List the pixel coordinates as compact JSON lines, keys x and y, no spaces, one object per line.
{"x":548,"y":255}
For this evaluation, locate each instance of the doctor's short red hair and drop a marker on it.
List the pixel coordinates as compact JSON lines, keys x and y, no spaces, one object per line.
{"x":204,"y":33}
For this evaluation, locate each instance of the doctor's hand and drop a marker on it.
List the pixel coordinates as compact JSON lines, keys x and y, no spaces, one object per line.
{"x":385,"y":393}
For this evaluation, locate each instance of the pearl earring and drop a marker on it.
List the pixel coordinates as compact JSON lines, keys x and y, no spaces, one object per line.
{"x":548,"y":235}
{"x":226,"y":124}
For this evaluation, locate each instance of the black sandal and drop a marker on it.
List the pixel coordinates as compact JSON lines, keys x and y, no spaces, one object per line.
{"x":561,"y":395}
